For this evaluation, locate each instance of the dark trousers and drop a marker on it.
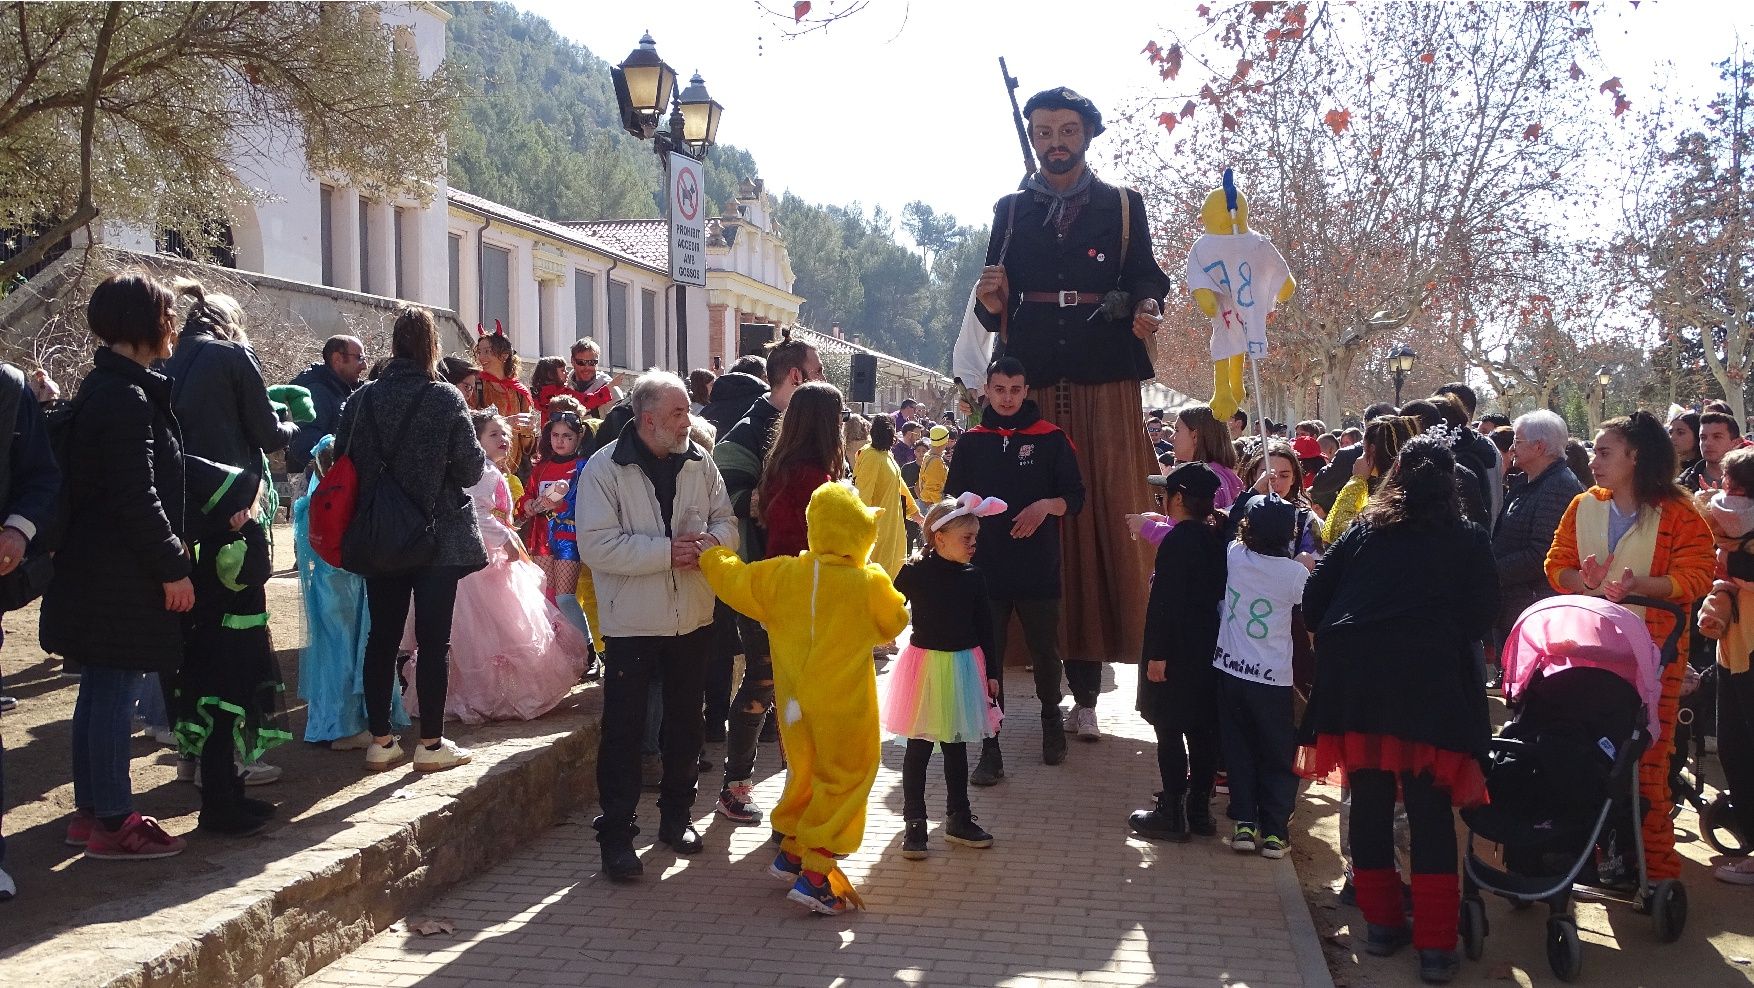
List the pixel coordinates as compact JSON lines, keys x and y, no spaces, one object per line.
{"x":1041,"y":632}
{"x":628,"y":669}
{"x":1372,"y":828}
{"x":727,"y":645}
{"x":913,"y":778}
{"x":1735,"y":743}
{"x":1085,"y":678}
{"x":750,"y":706}
{"x":1184,"y":713}
{"x":1259,"y":744}
{"x":218,"y":769}
{"x":433,"y":590}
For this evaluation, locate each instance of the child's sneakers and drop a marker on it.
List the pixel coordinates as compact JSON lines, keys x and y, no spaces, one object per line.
{"x":817,"y":898}
{"x":140,"y":838}
{"x":785,"y":867}
{"x":1273,"y":846}
{"x":1243,"y":838}
{"x":737,"y":804}
{"x":960,"y":828}
{"x":913,"y":841}
{"x":448,"y":754}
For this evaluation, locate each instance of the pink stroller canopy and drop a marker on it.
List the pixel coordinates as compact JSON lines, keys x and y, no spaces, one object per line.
{"x":1570,"y":632}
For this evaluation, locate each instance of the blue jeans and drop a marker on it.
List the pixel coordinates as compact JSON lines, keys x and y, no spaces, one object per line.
{"x":149,"y":697}
{"x":102,"y":722}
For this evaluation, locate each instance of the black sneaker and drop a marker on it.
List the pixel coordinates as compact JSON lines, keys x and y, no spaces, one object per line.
{"x":1168,"y":820}
{"x":960,"y":828}
{"x":230,"y":821}
{"x":737,"y":804}
{"x":913,"y":841}
{"x":991,"y":767}
{"x":1437,"y":967}
{"x":257,"y":807}
{"x":681,"y":836}
{"x":1381,"y":941}
{"x":1053,"y":738}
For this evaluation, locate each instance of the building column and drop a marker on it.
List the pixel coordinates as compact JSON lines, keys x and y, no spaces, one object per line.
{"x":344,"y":236}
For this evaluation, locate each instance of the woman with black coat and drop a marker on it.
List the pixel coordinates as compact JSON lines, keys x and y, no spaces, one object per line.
{"x":435,"y":458}
{"x":121,"y":583}
{"x":1399,"y":700}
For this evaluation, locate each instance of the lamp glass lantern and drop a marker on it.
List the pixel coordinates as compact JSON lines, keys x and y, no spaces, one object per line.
{"x":1603,"y":377}
{"x":700,"y":116}
{"x":650,"y":82}
{"x":1316,"y":379}
{"x":1402,"y":359}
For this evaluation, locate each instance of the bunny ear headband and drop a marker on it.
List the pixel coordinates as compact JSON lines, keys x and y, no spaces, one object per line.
{"x":971,"y":503}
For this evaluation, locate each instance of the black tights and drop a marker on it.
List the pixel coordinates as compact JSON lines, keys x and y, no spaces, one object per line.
{"x":1186,"y":765}
{"x":217,"y":753}
{"x":433,"y":590}
{"x":913,"y":778}
{"x":1429,"y":819}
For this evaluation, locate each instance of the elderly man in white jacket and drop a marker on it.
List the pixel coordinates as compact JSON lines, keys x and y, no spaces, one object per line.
{"x":648,"y":504}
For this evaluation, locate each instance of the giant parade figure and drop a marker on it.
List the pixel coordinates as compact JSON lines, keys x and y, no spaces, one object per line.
{"x":1072,"y":288}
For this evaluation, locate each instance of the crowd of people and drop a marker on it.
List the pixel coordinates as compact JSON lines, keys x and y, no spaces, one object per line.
{"x":735,"y":556}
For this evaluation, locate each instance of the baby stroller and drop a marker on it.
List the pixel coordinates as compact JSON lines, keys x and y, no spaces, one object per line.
{"x":1583,"y":678}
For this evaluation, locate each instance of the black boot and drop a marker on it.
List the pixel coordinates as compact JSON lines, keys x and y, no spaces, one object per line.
{"x":221,"y":813}
{"x":255,"y":807}
{"x":616,"y":843}
{"x":1168,"y":820}
{"x":680,"y":835}
{"x":1199,"y":813}
{"x":913,"y":840}
{"x":1053,"y":737}
{"x":991,"y":767}
{"x":1438,"y":967}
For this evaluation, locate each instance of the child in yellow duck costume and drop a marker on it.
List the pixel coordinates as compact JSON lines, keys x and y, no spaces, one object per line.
{"x":1237,"y":277}
{"x":824,"y":610}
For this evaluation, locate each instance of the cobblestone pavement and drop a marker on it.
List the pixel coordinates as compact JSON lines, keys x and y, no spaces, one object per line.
{"x":1064,"y":897}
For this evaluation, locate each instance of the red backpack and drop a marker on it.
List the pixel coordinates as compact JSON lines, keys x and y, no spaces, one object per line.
{"x":332,"y":507}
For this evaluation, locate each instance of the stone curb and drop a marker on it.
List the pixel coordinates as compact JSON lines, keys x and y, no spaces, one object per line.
{"x":1306,"y":943}
{"x":295,"y":915}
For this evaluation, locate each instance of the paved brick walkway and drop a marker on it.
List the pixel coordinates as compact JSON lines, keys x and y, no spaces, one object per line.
{"x":1064,"y":897}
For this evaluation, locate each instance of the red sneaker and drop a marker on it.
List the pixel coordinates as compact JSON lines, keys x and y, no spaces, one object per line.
{"x":140,"y":838}
{"x":79,"y":828}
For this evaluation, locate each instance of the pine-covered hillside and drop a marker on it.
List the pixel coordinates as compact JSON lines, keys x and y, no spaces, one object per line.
{"x":539,"y":132}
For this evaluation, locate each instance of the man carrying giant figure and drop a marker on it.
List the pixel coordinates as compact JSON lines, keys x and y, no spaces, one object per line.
{"x":1073,"y":290}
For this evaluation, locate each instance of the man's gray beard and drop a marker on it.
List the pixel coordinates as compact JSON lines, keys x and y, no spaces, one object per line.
{"x":1062,"y":167}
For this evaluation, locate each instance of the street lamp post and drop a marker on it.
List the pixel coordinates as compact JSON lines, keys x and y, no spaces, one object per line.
{"x":1401,"y":361}
{"x":644,"y":87}
{"x":1604,"y":378}
{"x":1316,"y":379}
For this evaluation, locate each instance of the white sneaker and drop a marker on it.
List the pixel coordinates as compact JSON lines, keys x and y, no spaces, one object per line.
{"x":379,"y":758}
{"x":1736,"y":872}
{"x":259,"y":773}
{"x":448,"y":755}
{"x":1086,"y":720}
{"x":7,"y":888}
{"x":352,"y":742}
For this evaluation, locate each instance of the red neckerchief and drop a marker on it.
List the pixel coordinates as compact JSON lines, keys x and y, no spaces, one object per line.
{"x":1040,"y":427}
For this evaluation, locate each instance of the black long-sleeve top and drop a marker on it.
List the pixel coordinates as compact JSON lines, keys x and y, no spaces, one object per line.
{"x":1074,"y":343}
{"x":949,"y":605}
{"x":1181,"y":617}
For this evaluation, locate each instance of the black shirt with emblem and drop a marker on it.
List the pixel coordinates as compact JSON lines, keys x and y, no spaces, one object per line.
{"x":1000,"y":460}
{"x":1074,"y":343}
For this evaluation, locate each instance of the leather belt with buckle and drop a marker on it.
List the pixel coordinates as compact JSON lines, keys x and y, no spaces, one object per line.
{"x":1064,"y":300}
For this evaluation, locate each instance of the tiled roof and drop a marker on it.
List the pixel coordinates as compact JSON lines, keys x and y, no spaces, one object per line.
{"x":582,"y":234}
{"x":648,"y":241}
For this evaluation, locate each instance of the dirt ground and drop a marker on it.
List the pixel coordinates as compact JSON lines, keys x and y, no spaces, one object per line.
{"x":1620,"y":947}
{"x":55,"y":884}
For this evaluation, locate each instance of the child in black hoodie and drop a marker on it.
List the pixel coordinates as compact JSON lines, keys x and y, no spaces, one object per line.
{"x":1178,"y":691}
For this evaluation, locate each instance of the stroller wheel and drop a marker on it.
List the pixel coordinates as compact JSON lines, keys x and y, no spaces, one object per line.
{"x":1473,"y":927}
{"x":1564,"y":949}
{"x":1717,"y":824}
{"x":1668,"y":909}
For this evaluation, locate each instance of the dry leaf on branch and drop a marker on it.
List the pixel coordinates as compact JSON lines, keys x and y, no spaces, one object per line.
{"x":1338,"y":119}
{"x":799,"y":10}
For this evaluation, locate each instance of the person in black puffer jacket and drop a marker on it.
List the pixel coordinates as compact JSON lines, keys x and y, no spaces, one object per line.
{"x":436,"y":464}
{"x":121,"y":583}
{"x":731,"y":398}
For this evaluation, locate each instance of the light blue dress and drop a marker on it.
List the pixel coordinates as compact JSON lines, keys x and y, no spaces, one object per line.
{"x":331,"y":666}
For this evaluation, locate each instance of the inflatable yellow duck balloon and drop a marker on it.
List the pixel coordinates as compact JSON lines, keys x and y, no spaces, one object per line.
{"x":1237,"y":277}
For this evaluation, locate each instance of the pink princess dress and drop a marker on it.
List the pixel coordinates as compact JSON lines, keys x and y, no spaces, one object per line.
{"x":513,"y":657}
